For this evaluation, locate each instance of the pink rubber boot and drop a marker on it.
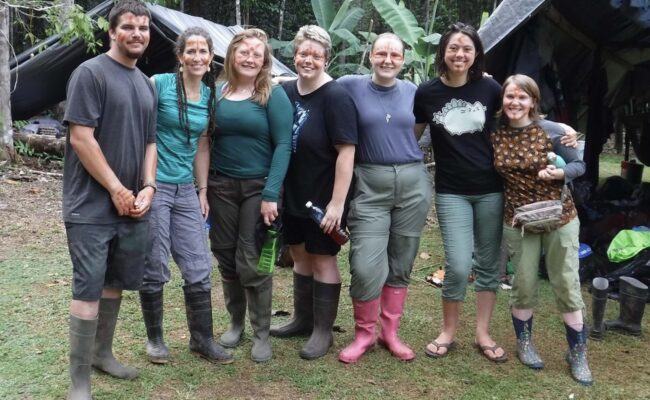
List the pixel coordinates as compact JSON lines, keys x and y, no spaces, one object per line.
{"x":365,"y":319}
{"x":392,"y":305}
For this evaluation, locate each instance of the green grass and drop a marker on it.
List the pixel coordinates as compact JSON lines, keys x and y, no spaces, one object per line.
{"x":33,"y":348}
{"x":610,"y":165}
{"x":34,"y":300}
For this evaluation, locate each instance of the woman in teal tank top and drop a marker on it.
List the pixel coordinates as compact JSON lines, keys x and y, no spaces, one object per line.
{"x":177,"y":218}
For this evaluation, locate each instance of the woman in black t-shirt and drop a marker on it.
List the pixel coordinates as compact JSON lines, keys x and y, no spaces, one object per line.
{"x":459,"y":107}
{"x":320,"y":171}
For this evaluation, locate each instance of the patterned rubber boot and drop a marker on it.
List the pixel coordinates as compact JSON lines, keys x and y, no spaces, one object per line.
{"x":576,"y":356}
{"x":526,"y":351}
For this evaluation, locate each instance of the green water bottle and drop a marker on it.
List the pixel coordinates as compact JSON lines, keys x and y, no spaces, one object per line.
{"x":269,"y":253}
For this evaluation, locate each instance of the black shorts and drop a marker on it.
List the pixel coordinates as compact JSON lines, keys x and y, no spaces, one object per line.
{"x":106,"y":256}
{"x":297,"y":230}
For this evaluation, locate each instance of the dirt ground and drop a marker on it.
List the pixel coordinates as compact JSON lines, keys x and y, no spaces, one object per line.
{"x":30,"y":203}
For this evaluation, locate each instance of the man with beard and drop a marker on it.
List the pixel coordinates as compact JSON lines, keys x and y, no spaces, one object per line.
{"x":108,"y":186}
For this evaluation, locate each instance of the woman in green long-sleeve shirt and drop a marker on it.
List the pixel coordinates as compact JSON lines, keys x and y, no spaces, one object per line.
{"x":249,"y":158}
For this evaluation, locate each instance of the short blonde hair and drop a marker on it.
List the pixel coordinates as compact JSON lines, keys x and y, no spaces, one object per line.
{"x":316,"y":34}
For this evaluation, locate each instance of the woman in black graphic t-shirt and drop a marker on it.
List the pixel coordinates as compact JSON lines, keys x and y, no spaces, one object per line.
{"x":459,"y":107}
{"x":320,"y":171}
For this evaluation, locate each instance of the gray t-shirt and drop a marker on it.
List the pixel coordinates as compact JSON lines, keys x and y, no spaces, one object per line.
{"x":386,"y":121}
{"x":120,"y":103}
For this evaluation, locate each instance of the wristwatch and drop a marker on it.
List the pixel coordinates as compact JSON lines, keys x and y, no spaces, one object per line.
{"x":151,"y":185}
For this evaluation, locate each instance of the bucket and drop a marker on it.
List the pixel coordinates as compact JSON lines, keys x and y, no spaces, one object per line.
{"x":632,"y":171}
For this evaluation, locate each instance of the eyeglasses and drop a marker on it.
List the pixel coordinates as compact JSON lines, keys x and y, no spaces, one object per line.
{"x":303,"y":55}
{"x":455,"y":49}
{"x":393,"y":55}
{"x":245,"y":54}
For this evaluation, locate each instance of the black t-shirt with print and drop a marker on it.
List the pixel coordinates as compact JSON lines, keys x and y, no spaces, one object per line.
{"x":322,"y":119}
{"x":461,"y":119}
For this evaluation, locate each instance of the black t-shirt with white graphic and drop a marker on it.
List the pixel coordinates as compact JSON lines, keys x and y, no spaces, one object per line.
{"x":322,"y":119}
{"x":461,"y":120}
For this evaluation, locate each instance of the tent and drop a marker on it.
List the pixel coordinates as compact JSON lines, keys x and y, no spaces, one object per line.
{"x":40,"y":78}
{"x":591,"y":59}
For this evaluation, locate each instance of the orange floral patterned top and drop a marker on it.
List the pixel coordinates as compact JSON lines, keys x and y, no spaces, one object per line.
{"x":520,"y":153}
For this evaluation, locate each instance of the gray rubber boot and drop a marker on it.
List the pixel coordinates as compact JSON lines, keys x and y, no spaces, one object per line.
{"x":326,"y":305}
{"x":576,"y":356}
{"x":235,"y":299}
{"x":302,"y":322}
{"x":198,"y":307}
{"x":259,"y":312}
{"x":633,"y":295}
{"x":82,"y":337}
{"x":152,"y":314}
{"x":103,"y":358}
{"x":599,"y":289}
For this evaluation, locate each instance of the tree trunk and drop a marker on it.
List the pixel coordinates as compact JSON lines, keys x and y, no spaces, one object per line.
{"x":6,"y":132}
{"x":238,"y":12}
{"x":42,"y":143}
{"x":66,"y":6}
{"x":281,"y":22}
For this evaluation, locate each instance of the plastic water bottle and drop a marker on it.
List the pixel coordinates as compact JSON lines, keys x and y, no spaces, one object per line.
{"x":268,"y":255}
{"x":338,"y":235}
{"x":556,"y":160}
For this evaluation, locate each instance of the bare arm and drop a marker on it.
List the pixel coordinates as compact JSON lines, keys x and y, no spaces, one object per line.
{"x":201,"y":168}
{"x":85,"y":145}
{"x":342,"y":180}
{"x":145,"y":195}
{"x":419,"y":130}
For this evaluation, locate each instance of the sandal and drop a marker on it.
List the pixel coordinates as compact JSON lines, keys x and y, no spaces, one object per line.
{"x":496,"y":359}
{"x":449,"y":346}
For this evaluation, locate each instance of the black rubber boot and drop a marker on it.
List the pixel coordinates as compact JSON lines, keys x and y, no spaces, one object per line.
{"x":326,"y":305}
{"x":82,"y":337}
{"x":633,"y":295}
{"x":235,"y":299}
{"x":259,"y":312}
{"x":526,"y":351}
{"x":103,"y":358}
{"x":198,"y":307}
{"x":576,"y":356}
{"x":152,"y":314}
{"x":302,"y":322}
{"x":599,"y":289}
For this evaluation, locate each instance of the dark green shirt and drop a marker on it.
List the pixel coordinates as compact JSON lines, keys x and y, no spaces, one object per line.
{"x":252,"y":141}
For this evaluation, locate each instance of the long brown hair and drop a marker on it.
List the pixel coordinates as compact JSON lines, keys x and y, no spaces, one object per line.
{"x":263,"y":82}
{"x":209,"y":78}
